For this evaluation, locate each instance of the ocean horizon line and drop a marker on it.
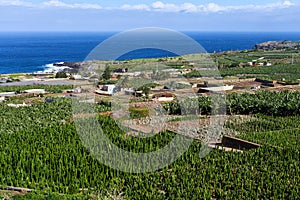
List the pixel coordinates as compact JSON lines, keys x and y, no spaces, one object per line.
{"x":118,"y":31}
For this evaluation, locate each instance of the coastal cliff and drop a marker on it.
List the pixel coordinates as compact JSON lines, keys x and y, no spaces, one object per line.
{"x":277,"y":45}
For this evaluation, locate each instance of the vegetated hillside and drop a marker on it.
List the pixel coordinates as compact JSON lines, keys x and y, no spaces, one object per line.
{"x":40,"y":149}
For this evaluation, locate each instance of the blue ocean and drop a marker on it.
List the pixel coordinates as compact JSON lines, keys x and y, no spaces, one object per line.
{"x":33,"y":52}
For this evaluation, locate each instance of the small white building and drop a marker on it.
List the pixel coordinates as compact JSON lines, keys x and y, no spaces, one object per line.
{"x":260,"y":64}
{"x":129,"y":91}
{"x":222,"y":88}
{"x":35,"y":91}
{"x":163,"y":97}
{"x":8,"y":94}
{"x":76,"y":90}
{"x":77,"y":77}
{"x":107,"y":90}
{"x":255,"y":88}
{"x":32,"y":79}
{"x":269,"y":64}
{"x":5,"y":80}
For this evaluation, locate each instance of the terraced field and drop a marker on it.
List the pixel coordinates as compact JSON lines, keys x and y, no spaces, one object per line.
{"x":41,"y":150}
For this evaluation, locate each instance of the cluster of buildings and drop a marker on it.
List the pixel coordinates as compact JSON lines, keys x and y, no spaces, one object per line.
{"x":164,"y":93}
{"x":259,"y":62}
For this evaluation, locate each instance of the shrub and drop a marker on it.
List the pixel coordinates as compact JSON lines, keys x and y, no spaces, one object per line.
{"x":61,"y":75}
{"x":138,"y":112}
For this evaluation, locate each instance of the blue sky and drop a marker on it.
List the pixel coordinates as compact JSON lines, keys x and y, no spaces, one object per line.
{"x":119,"y":15}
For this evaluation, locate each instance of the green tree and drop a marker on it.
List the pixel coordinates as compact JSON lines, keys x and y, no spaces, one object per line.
{"x":61,"y":75}
{"x":145,"y":90}
{"x":107,"y":73}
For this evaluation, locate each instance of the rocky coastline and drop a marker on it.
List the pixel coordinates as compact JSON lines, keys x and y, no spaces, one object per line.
{"x":278,"y":45}
{"x":69,"y":67}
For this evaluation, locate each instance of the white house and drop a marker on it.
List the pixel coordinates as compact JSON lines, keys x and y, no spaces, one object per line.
{"x":107,"y":90}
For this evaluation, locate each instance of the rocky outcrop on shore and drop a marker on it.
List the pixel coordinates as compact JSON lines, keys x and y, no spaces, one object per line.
{"x":73,"y":67}
{"x":277,"y":45}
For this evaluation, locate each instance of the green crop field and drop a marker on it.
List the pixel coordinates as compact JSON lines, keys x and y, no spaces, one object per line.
{"x":275,"y":72}
{"x":48,"y":88}
{"x":40,"y":149}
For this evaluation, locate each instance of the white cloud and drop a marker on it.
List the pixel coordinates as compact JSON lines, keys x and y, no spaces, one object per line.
{"x":189,"y":7}
{"x":15,"y":3}
{"x":135,"y":7}
{"x":157,"y":6}
{"x":57,"y":3}
{"x":165,"y":7}
{"x":271,"y":6}
{"x":288,"y":3}
{"x":212,"y":7}
{"x":51,"y":3}
{"x":285,"y":4}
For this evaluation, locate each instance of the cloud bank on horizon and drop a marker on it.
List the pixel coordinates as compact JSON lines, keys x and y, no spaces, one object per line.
{"x":90,"y":15}
{"x":157,"y":6}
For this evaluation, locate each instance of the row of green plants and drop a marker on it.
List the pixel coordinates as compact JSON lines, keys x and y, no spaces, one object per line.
{"x":234,"y":59}
{"x":52,"y":159}
{"x":283,"y":103}
{"x":263,"y":123}
{"x":278,"y":131}
{"x":40,"y":149}
{"x":31,"y":118}
{"x":268,"y":70}
{"x":48,"y":88}
{"x":290,"y":72}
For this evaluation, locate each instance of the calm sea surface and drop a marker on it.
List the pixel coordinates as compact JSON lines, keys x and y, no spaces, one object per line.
{"x":32,"y":52}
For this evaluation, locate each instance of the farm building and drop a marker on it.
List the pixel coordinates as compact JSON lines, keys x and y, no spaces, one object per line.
{"x":129,"y":91}
{"x":76,"y":90}
{"x":35,"y":91}
{"x":8,"y":94}
{"x":107,"y":90}
{"x":222,"y":88}
{"x":133,"y":92}
{"x":163,"y":97}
